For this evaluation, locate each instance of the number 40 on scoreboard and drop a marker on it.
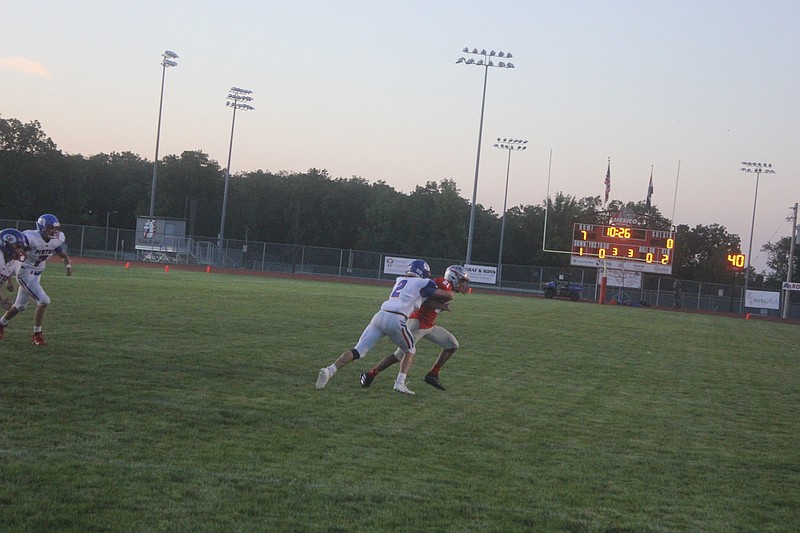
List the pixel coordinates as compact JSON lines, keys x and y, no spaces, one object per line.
{"x":736,"y":263}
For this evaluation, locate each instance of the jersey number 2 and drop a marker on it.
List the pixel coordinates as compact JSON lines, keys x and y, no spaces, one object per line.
{"x":398,"y":288}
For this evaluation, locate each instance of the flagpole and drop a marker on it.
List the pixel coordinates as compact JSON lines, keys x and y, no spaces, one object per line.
{"x":675,"y":199}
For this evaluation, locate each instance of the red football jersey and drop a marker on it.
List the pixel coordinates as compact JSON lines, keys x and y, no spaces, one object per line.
{"x":427,"y":313}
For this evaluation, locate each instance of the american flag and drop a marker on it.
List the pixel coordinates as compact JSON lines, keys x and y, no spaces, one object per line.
{"x":649,"y":190}
{"x":608,"y":180}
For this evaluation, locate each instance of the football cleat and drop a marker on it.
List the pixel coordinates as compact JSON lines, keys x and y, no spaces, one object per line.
{"x":38,"y":340}
{"x":401,"y":388}
{"x":323,"y":377}
{"x":366,"y":379}
{"x":431,"y":379}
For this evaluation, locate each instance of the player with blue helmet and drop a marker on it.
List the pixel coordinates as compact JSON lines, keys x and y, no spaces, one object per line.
{"x":43,"y":242}
{"x":13,"y":245}
{"x":407,"y":295}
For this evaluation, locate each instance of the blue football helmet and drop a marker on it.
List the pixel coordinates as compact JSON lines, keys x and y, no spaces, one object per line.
{"x":49,"y":227}
{"x":419,"y":268}
{"x":14,"y":244}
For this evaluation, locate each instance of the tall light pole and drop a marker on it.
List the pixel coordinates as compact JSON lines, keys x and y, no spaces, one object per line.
{"x":757,"y":169}
{"x":792,"y":239}
{"x":510,"y":145}
{"x":108,"y":218}
{"x":168,"y":56}
{"x":486,"y":62}
{"x":237,"y":99}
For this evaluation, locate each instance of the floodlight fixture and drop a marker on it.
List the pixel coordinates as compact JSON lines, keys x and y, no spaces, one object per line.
{"x":511,"y":145}
{"x":485,"y":63}
{"x":757,"y":169}
{"x":167,"y":56}
{"x":236,"y":99}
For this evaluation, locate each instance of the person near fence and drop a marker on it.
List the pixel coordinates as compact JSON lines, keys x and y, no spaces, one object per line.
{"x":407,"y":294}
{"x":422,"y":324}
{"x":13,"y":246}
{"x":44,"y":242}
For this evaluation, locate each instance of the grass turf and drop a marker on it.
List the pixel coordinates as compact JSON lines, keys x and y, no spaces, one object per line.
{"x":186,"y":401}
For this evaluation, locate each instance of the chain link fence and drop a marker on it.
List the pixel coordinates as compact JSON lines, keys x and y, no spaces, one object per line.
{"x":655,"y":290}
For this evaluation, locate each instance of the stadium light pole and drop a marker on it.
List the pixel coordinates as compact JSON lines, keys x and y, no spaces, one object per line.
{"x":237,"y":99}
{"x":486,"y":62}
{"x":511,"y":145}
{"x":757,"y":169}
{"x":108,"y":219}
{"x":168,"y":56}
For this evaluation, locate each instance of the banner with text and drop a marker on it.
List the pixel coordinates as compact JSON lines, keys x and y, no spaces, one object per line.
{"x":396,"y":265}
{"x":621,"y":278}
{"x":482,"y":274}
{"x":763,"y":299}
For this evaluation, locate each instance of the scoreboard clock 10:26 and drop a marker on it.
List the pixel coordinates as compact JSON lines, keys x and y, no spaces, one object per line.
{"x":623,"y":247}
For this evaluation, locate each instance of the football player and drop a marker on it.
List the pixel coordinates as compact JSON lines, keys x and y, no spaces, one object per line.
{"x":43,"y":242}
{"x":422,"y":324}
{"x":408,"y":293}
{"x":13,"y":246}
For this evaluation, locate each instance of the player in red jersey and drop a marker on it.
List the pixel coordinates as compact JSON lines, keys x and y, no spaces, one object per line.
{"x":422,"y":324}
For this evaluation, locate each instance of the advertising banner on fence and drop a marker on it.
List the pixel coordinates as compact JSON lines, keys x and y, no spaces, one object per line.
{"x":621,"y":278}
{"x":482,"y":274}
{"x":763,"y":299}
{"x":396,"y":266}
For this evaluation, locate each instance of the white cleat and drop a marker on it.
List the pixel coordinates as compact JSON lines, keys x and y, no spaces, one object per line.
{"x":323,"y":377}
{"x":401,"y":387}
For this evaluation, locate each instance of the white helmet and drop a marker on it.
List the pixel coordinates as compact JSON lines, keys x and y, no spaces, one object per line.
{"x":458,"y":277}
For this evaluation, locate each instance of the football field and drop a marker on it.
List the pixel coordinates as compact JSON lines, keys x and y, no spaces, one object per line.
{"x":185,"y":401}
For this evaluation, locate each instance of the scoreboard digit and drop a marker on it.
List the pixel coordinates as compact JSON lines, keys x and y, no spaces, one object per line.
{"x":650,"y":250}
{"x":736,"y":263}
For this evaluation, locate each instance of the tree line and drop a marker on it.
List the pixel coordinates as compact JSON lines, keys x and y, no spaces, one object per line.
{"x":313,"y":208}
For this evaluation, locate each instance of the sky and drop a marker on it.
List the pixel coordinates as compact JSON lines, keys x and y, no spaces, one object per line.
{"x":371,"y":88}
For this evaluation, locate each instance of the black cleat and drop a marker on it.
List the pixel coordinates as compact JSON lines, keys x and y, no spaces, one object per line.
{"x":366,"y":380}
{"x":430,"y":379}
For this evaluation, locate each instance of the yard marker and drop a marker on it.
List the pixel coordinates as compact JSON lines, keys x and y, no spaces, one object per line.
{"x":166,"y":268}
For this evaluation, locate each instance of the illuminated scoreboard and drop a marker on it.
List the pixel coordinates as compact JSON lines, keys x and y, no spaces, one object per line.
{"x":625,"y":248}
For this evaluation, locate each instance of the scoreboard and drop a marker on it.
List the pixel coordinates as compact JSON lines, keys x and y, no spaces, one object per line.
{"x":621,"y":247}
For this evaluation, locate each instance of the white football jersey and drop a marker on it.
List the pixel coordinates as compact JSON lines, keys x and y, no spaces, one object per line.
{"x":7,"y":270}
{"x":406,"y":295}
{"x":40,"y":250}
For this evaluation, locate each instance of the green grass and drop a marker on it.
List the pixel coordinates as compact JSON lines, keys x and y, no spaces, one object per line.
{"x":185,"y":401}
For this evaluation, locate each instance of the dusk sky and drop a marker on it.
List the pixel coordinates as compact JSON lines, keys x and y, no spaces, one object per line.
{"x":372,"y":89}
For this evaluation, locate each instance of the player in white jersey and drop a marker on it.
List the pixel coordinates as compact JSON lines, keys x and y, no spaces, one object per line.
{"x":407,"y":295}
{"x":13,"y":246}
{"x":44,"y":242}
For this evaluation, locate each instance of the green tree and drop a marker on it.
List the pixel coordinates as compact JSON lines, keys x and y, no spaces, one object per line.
{"x":701,"y":252}
{"x":24,"y":138}
{"x":191,"y":177}
{"x":115,"y":183}
{"x":778,"y":261}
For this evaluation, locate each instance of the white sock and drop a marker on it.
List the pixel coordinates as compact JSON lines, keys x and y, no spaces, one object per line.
{"x":401,"y":378}
{"x":333,"y":369}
